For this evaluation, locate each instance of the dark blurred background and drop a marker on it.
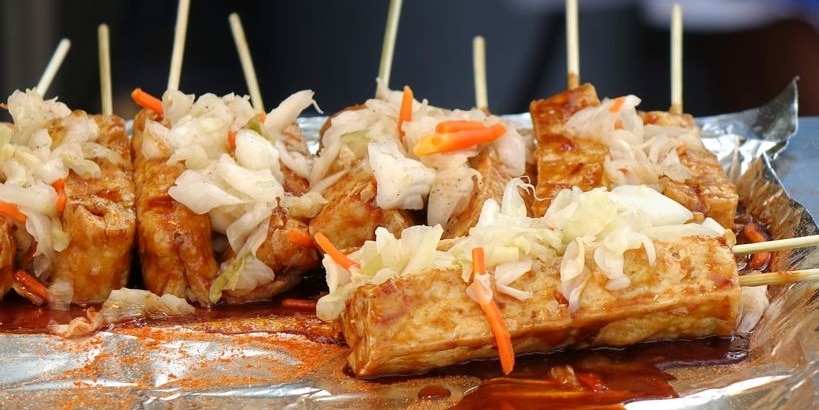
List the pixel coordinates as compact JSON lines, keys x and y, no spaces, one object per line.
{"x":732,"y":60}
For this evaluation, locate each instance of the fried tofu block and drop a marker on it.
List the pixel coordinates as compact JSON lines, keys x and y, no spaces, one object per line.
{"x":708,"y":190}
{"x":565,"y":160}
{"x":416,"y":323}
{"x":565,"y":163}
{"x":8,"y":248}
{"x":490,"y":185}
{"x":351,"y":214}
{"x":101,"y":218}
{"x":175,"y":244}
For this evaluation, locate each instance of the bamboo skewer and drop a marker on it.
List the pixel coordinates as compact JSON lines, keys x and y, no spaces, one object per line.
{"x":676,"y":60}
{"x":247,"y":63}
{"x":778,"y":278}
{"x":53,"y":66}
{"x":776,"y":245}
{"x":388,"y":47}
{"x":178,"y":44}
{"x":105,"y":69}
{"x":572,"y":45}
{"x":479,"y":69}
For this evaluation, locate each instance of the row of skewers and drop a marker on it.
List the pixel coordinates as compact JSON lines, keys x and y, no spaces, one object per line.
{"x":227,"y":204}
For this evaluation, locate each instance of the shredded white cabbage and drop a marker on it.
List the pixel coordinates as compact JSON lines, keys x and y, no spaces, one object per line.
{"x":639,"y":154}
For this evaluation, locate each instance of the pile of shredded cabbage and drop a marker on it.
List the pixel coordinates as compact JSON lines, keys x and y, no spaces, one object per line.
{"x":607,"y":222}
{"x":32,"y":159}
{"x":238,"y":189}
{"x":369,"y":137}
{"x":639,"y":154}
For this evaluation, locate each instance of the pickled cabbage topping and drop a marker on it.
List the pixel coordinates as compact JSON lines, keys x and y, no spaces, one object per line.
{"x":45,"y":143}
{"x":368,"y":137}
{"x":237,"y":186}
{"x":598,"y":226}
{"x":639,"y":154}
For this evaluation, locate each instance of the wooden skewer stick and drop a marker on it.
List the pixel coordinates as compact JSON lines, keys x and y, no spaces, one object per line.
{"x":779,"y":278}
{"x":105,"y":69}
{"x":479,"y":69}
{"x":388,"y":47}
{"x":178,"y":44}
{"x":676,"y":60}
{"x":572,"y":44}
{"x":53,"y":66}
{"x":247,"y":63}
{"x":776,"y":245}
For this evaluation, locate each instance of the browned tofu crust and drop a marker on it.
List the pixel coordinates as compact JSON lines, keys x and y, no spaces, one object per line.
{"x":565,"y":161}
{"x":490,"y":185}
{"x":175,"y":245}
{"x":8,"y":248}
{"x":351,"y":214}
{"x":100,"y":217}
{"x":420,"y":322}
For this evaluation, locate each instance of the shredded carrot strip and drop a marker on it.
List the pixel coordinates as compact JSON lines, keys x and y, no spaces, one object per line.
{"x":755,"y":234}
{"x":298,"y":303}
{"x":617,"y":104}
{"x":147,"y":101}
{"x":262,"y":116}
{"x":300,"y":237}
{"x":493,"y":315}
{"x":231,"y":140}
{"x":338,"y":257}
{"x":458,"y":125}
{"x":465,"y":135}
{"x":59,"y":186}
{"x":30,"y":284}
{"x":4,"y":106}
{"x":405,"y":112}
{"x":10,"y":210}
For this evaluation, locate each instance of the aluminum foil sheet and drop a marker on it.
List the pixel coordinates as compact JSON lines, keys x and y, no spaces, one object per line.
{"x":213,"y":363}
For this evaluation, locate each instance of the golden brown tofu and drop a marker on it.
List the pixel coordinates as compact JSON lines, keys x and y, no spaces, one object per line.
{"x":416,"y":323}
{"x":490,"y":185}
{"x":100,"y":216}
{"x":351,"y":214}
{"x":175,"y":245}
{"x":708,"y":190}
{"x":565,"y":160}
{"x":8,"y":248}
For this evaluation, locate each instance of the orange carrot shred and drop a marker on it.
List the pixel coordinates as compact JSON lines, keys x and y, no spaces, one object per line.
{"x":465,"y":136}
{"x":59,"y":186}
{"x":338,"y":257}
{"x":32,"y":285}
{"x":300,"y":237}
{"x":458,"y":125}
{"x":307,"y":304}
{"x":755,"y":234}
{"x":231,"y":140}
{"x":405,"y":112}
{"x":503,"y":339}
{"x":617,"y":104}
{"x":147,"y":101}
{"x":10,"y":210}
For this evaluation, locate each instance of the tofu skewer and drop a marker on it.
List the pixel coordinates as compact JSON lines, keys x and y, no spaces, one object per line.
{"x":417,"y":315}
{"x":575,"y":151}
